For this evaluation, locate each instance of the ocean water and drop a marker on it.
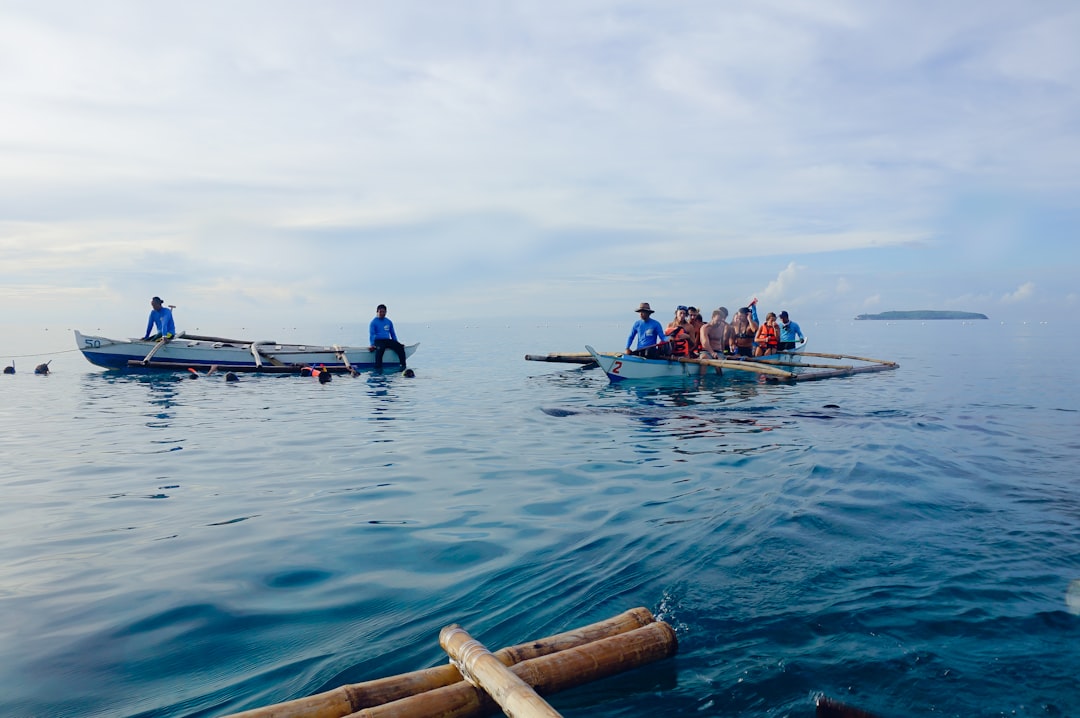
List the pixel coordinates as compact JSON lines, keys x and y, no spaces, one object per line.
{"x":906,"y":542}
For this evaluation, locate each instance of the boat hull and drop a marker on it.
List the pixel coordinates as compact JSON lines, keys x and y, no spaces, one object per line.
{"x":237,"y":355}
{"x":626,"y":367}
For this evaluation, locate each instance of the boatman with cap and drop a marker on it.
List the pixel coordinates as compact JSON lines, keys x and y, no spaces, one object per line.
{"x":790,"y":333}
{"x":649,"y":334}
{"x":161,"y":319}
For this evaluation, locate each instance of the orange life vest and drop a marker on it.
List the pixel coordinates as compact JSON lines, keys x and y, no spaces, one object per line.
{"x":680,"y":340}
{"x":767,"y":335}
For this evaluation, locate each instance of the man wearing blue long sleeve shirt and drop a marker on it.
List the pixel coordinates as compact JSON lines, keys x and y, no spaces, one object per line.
{"x":161,"y":319}
{"x":789,"y":333}
{"x":381,"y":336}
{"x":648,"y":332}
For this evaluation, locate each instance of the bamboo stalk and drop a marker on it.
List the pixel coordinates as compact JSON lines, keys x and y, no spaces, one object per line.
{"x":546,"y":674}
{"x":846,"y":356}
{"x":845,"y":372}
{"x":350,"y":698}
{"x":481,"y":668}
{"x":571,"y":358}
{"x":199,"y":338}
{"x":255,"y":353}
{"x":738,"y":365}
{"x":160,"y":343}
{"x":777,"y":362}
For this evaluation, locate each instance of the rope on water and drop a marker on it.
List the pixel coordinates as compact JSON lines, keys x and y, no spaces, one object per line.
{"x":40,"y":354}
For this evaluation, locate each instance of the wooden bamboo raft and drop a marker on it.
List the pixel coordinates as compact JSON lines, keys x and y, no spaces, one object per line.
{"x":543,"y":666}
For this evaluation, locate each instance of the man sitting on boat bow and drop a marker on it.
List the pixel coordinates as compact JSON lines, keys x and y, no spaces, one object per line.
{"x":161,"y":318}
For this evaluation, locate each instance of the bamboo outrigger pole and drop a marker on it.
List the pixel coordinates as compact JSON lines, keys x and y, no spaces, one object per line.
{"x":481,"y":668}
{"x":546,"y":674}
{"x":740,"y":365}
{"x":348,"y":699}
{"x":566,"y":358}
{"x":847,"y":356}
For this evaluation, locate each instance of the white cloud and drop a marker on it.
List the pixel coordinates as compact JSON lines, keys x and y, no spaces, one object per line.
{"x":373,"y":146}
{"x":1023,"y":292}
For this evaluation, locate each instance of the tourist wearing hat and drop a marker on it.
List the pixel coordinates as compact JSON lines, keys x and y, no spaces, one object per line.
{"x":790,"y":333}
{"x":649,"y":334}
{"x":161,"y":319}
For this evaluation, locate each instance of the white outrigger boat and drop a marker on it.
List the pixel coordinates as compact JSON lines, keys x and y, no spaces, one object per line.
{"x":783,"y":366}
{"x":193,"y":351}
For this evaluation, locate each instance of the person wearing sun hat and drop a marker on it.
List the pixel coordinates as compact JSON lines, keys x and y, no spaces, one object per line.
{"x":648,"y":332}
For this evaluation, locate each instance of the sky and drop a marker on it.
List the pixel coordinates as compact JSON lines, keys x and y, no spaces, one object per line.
{"x":277,"y":161}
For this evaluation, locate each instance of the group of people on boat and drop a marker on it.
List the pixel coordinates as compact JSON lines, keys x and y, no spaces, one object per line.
{"x":688,"y":335}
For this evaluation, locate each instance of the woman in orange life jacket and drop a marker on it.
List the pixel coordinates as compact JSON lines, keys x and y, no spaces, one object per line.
{"x":743,"y":329}
{"x":680,"y":334}
{"x":768,"y":336}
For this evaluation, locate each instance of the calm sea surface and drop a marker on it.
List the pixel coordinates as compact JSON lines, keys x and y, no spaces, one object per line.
{"x":171,"y":547}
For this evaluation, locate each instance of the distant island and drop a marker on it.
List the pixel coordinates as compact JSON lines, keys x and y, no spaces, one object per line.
{"x":923,"y":314}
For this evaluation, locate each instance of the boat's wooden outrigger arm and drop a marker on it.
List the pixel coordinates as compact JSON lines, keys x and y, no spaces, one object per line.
{"x":628,"y":640}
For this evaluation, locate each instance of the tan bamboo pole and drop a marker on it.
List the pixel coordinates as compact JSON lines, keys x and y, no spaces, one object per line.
{"x":546,"y":674}
{"x":845,"y":356}
{"x":160,"y":343}
{"x":223,"y":340}
{"x":348,"y":699}
{"x":845,"y":372}
{"x":738,"y":365}
{"x":571,"y":358}
{"x":516,"y":697}
{"x":776,"y":362}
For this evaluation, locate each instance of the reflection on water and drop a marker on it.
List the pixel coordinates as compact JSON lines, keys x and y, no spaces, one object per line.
{"x":907,"y":539}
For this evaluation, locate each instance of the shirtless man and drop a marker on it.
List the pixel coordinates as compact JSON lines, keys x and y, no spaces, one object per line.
{"x":714,"y":335}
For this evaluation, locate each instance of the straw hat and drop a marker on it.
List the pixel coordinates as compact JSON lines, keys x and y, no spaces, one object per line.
{"x":644,"y":307}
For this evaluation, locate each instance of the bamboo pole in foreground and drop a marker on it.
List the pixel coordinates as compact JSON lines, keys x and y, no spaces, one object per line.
{"x":344,"y":700}
{"x":546,"y":674}
{"x":481,"y":668}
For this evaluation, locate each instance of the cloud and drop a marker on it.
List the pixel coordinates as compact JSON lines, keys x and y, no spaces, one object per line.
{"x":1023,"y":292}
{"x":326,"y":155}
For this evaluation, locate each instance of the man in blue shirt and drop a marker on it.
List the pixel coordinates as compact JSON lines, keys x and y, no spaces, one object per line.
{"x":789,"y":333}
{"x":648,"y":332}
{"x":161,"y":318}
{"x":381,"y":336}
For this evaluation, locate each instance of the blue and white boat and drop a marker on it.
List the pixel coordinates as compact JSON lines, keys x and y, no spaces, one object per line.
{"x":192,"y":351}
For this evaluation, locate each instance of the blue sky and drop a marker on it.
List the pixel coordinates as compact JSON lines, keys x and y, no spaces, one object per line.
{"x":535,"y":159}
